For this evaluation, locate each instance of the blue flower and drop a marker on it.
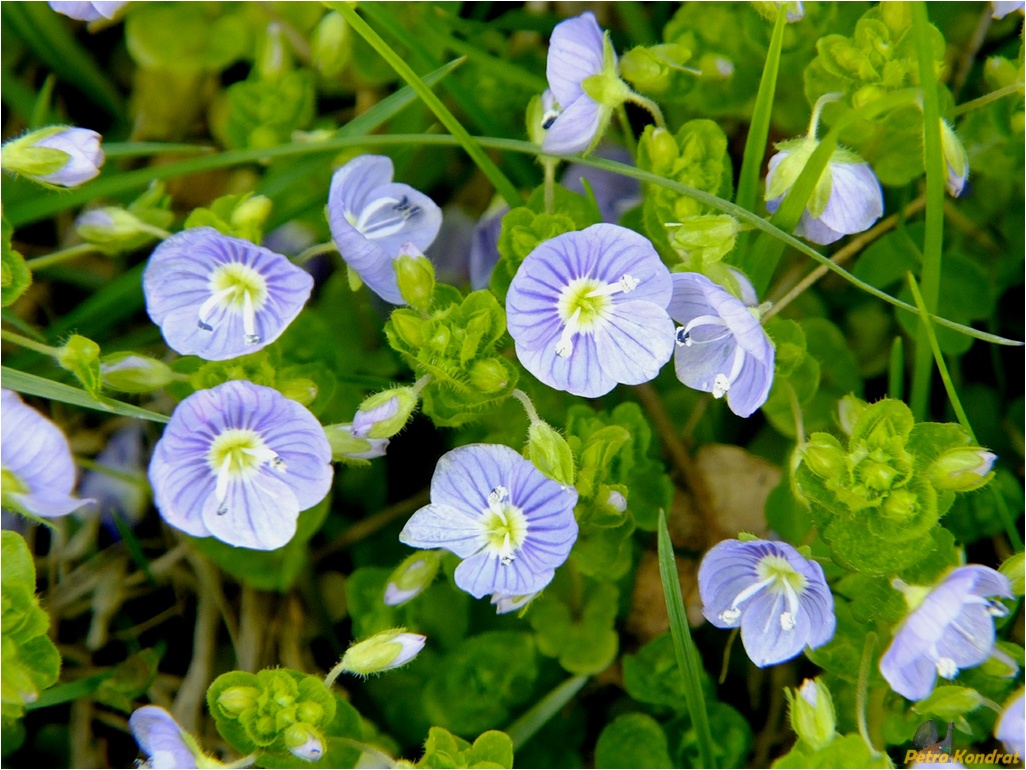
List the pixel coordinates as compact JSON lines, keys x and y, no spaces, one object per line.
{"x":847,"y":199}
{"x":87,"y":10}
{"x":587,"y":310}
{"x":951,"y":627}
{"x":113,"y":495}
{"x":511,"y":525}
{"x":779,"y":598}
{"x":372,"y":218}
{"x":219,"y":297}
{"x":239,"y":462}
{"x":36,"y":468}
{"x":721,"y":346}
{"x":161,"y":739}
{"x":1011,"y":727}
{"x":577,"y":52}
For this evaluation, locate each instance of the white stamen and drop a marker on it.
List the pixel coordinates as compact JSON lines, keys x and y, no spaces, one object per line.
{"x":497,"y":495}
{"x":720,"y":386}
{"x":389,"y":226}
{"x":996,"y":609}
{"x":626,"y":284}
{"x":208,"y":307}
{"x":278,"y":464}
{"x":729,"y":616}
{"x":223,"y":477}
{"x":947,"y":668}
{"x":565,"y":345}
{"x":787,"y":621}
{"x":249,"y":319}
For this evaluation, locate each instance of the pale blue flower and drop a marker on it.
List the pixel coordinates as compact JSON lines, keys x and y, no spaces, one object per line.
{"x":1011,"y":727}
{"x":576,"y":53}
{"x":848,"y":198}
{"x":160,"y":738}
{"x":511,"y":525}
{"x":372,"y":218}
{"x":219,"y":297}
{"x":37,"y":471}
{"x":113,"y":495}
{"x":239,"y":462}
{"x":779,"y":598}
{"x":587,"y":310}
{"x":1001,"y":8}
{"x":951,"y":629}
{"x":87,"y":10}
{"x":721,"y":346}
{"x":82,"y":146}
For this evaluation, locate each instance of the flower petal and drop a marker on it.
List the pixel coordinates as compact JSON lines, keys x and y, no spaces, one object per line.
{"x":575,"y":53}
{"x":576,"y":127}
{"x":259,"y":512}
{"x":766,"y":641}
{"x":160,"y":738}
{"x":444,"y":526}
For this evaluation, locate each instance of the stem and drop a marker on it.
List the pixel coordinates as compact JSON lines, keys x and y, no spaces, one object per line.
{"x":334,"y":674}
{"x":154,"y":230}
{"x":628,"y":133}
{"x":647,"y":104}
{"x":422,"y":383}
{"x":896,"y":370}
{"x":796,"y":412}
{"x":993,"y":96}
{"x":549,"y":164}
{"x":60,"y":256}
{"x":862,"y":690}
{"x":25,"y":342}
{"x":817,"y":110}
{"x":314,"y":251}
{"x":523,"y":398}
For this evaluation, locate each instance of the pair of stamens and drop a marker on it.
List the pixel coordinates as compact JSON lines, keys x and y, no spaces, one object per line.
{"x":402,"y":210}
{"x":572,"y":325}
{"x":217,"y":299}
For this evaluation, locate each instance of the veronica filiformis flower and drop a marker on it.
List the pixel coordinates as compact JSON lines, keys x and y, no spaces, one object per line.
{"x":1011,"y":726}
{"x":163,"y":741}
{"x":721,"y":347}
{"x":87,"y":10}
{"x":36,"y":468}
{"x":779,"y":598}
{"x":219,"y":297}
{"x":584,"y":83}
{"x":239,"y":462}
{"x":955,"y":159}
{"x":587,"y":310}
{"x":372,"y":218}
{"x":950,"y":627}
{"x":55,"y":156}
{"x":511,"y":525}
{"x":847,"y":198}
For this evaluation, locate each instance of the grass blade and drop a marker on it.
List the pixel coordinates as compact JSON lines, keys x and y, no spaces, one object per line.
{"x":470,"y":145}
{"x":535,"y":718}
{"x":687,"y":656}
{"x":32,"y":385}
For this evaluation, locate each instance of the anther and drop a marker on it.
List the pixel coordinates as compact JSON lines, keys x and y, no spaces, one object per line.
{"x":720,"y":386}
{"x":947,"y":668}
{"x":497,"y":495}
{"x":729,"y":616}
{"x":787,"y":621}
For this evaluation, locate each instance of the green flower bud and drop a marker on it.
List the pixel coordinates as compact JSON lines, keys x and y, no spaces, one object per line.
{"x":384,"y":414}
{"x":300,"y":389}
{"x":901,"y":505}
{"x":55,"y":156}
{"x":849,"y":409}
{"x":81,"y":356}
{"x":877,"y":474}
{"x":330,"y":45}
{"x":411,"y":577}
{"x":133,"y":373}
{"x":385,"y":650}
{"x":272,"y":59}
{"x":489,"y":375}
{"x":347,"y":448}
{"x":550,"y":452}
{"x":955,"y":158}
{"x":704,"y":239}
{"x":310,"y":711}
{"x":416,"y":277}
{"x":643,"y":69}
{"x":1012,"y":568}
{"x":235,"y":700}
{"x":659,"y":146}
{"x":812,"y":713}
{"x":962,"y":469}
{"x":304,"y":742}
{"x":824,"y":457}
{"x":408,"y":327}
{"x":113,"y":230}
{"x":251,"y":214}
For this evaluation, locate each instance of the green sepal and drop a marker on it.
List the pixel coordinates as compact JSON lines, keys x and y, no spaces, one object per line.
{"x":550,"y":452}
{"x":81,"y":356}
{"x":16,"y":276}
{"x":948,"y":702}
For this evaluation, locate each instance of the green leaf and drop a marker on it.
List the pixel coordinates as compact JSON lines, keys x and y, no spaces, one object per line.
{"x":632,"y":740}
{"x":949,"y":702}
{"x":16,"y":276}
{"x":582,"y":637}
{"x":652,"y":675}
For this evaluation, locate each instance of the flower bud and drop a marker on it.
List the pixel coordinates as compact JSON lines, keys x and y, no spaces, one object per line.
{"x":849,"y":409}
{"x":133,"y":373}
{"x":955,"y":158}
{"x":345,"y":447}
{"x":303,"y":390}
{"x":489,"y":375}
{"x":81,"y":356}
{"x":408,"y":327}
{"x":705,"y":238}
{"x":660,"y":147}
{"x":812,"y":713}
{"x":642,"y":68}
{"x":1012,"y":568}
{"x":235,"y":700}
{"x":304,"y":742}
{"x":963,"y":469}
{"x":550,"y":452}
{"x":384,"y":414}
{"x":616,"y":500}
{"x":794,"y":10}
{"x":416,"y":277}
{"x":113,"y":230}
{"x":330,"y":46}
{"x":250,"y":214}
{"x":61,"y":156}
{"x":309,"y":711}
{"x":412,"y":576}
{"x":385,"y":650}
{"x":824,"y":456}
{"x":272,"y":57}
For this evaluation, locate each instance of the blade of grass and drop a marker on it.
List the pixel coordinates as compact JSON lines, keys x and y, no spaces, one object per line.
{"x":44,"y":32}
{"x":956,"y":404}
{"x":896,"y":370}
{"x":32,"y":385}
{"x":933,"y":240}
{"x":65,"y":693}
{"x":687,"y":655}
{"x":138,"y":149}
{"x":499,"y":181}
{"x":536,"y":717}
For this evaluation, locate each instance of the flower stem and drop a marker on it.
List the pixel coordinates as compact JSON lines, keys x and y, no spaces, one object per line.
{"x":422,"y":383}
{"x":334,"y":674}
{"x":862,"y":690}
{"x":628,"y":133}
{"x":523,"y":398}
{"x":60,"y":256}
{"x":550,"y":183}
{"x":314,"y":251}
{"x":993,"y":96}
{"x":817,"y":110}
{"x":647,"y":104}
{"x":31,"y":344}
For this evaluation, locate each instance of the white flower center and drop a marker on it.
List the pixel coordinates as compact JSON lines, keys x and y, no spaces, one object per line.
{"x":947,"y":668}
{"x":776,"y":575}
{"x":236,"y":288}
{"x":383,"y":217}
{"x":504,"y":526}
{"x":239,"y":453}
{"x":584,"y":305}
